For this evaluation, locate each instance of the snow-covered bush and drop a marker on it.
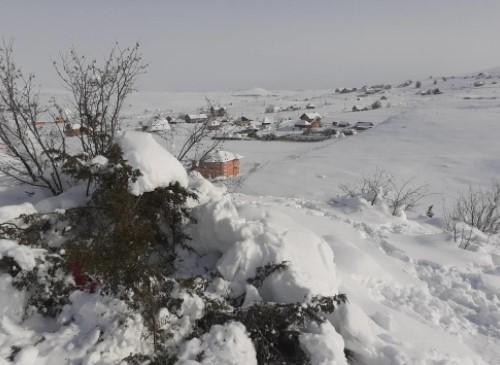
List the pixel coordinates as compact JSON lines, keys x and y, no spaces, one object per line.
{"x":376,"y":104}
{"x":381,"y":188}
{"x":37,"y":157}
{"x":275,"y":328}
{"x":475,"y":210}
{"x":120,"y":243}
{"x":373,"y":188}
{"x":405,"y":196}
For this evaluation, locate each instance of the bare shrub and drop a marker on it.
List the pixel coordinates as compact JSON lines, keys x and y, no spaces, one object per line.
{"x":381,"y":187}
{"x":198,"y":144}
{"x":372,"y":188}
{"x":33,"y":156}
{"x":37,"y":156}
{"x":99,"y":92}
{"x":405,"y":196}
{"x":474,"y":209}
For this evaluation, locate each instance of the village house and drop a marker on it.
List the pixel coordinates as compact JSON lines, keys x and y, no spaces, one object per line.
{"x":243,"y":121}
{"x":73,"y":130}
{"x":266,"y":122}
{"x":158,"y":124}
{"x":302,"y":124}
{"x":218,"y":164}
{"x":218,"y":111}
{"x":196,"y":118}
{"x":214,"y":125}
{"x":314,"y":119}
{"x":59,"y":119}
{"x":40,"y":123}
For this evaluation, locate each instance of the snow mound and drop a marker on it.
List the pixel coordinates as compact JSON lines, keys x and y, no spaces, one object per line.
{"x":9,"y":212}
{"x":158,"y":167}
{"x":323,"y":345}
{"x":24,"y":256}
{"x":250,"y":236}
{"x":223,"y":345}
{"x":92,"y":329}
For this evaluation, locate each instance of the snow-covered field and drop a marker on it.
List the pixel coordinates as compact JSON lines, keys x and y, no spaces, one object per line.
{"x":414,"y":297}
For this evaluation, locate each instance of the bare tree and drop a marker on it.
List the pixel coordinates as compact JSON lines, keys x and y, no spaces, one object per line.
{"x":405,"y":196}
{"x":372,"y":188}
{"x":475,"y":208}
{"x":99,"y":92}
{"x":381,"y":187}
{"x":34,"y":157}
{"x":198,"y":144}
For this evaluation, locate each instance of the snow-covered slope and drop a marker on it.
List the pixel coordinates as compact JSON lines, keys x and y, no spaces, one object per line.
{"x":414,"y":297}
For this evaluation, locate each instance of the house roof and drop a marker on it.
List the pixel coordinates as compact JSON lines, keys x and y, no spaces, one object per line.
{"x":222,"y":156}
{"x":312,"y":115}
{"x":197,"y":116}
{"x":159,"y":125}
{"x":302,"y":123}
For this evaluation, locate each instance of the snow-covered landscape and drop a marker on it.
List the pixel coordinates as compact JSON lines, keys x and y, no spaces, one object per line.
{"x":350,"y":225}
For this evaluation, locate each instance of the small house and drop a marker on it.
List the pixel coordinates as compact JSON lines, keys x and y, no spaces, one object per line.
{"x":363,"y":126}
{"x":59,"y":119}
{"x":266,"y":122}
{"x":314,"y":119}
{"x":219,"y":164}
{"x":40,"y":123}
{"x":341,"y":124}
{"x":243,"y":121}
{"x":310,"y":106}
{"x":302,"y":124}
{"x":214,"y":125}
{"x":73,"y":130}
{"x":218,"y":111}
{"x":196,"y":118}
{"x":158,"y":124}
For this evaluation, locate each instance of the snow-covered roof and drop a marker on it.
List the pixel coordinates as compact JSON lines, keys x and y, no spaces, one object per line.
{"x":266,"y":121}
{"x":74,"y":126}
{"x":160,"y":124}
{"x":311,"y":115}
{"x":222,"y":156}
{"x":197,"y":116}
{"x":301,"y":122}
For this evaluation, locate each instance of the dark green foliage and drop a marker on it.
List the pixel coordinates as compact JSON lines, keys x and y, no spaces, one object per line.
{"x":263,"y":272}
{"x":126,"y":243}
{"x":46,"y":287}
{"x":157,"y":359}
{"x":273,"y":327}
{"x":122,"y":245}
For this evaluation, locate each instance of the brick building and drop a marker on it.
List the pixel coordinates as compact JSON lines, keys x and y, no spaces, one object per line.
{"x":219,"y":164}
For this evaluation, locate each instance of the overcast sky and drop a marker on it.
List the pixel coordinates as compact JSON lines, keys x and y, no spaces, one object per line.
{"x":275,"y":44}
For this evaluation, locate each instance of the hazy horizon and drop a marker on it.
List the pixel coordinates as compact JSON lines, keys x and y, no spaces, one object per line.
{"x":282,"y":44}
